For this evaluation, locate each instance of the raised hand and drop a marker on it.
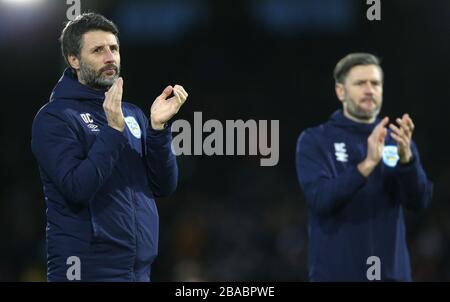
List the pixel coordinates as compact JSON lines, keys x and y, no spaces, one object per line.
{"x":375,"y":146}
{"x":163,"y":109}
{"x":113,"y":106}
{"x":402,"y":135}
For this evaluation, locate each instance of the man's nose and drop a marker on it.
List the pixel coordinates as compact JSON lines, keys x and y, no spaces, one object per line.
{"x":109,"y":56}
{"x":369,"y":89}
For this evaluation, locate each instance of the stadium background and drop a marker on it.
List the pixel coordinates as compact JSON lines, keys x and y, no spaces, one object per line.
{"x":230,"y":219}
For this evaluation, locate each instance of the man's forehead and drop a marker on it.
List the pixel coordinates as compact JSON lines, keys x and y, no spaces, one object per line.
{"x":365,"y":71}
{"x":98,"y":38}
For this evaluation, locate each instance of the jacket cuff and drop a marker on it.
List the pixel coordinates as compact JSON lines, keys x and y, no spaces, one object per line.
{"x":407,"y":168}
{"x":113,"y":137}
{"x":158,"y":133}
{"x":357,"y":178}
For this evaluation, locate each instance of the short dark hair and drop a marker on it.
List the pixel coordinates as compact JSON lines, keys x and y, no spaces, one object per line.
{"x":72,"y":35}
{"x":351,"y":60}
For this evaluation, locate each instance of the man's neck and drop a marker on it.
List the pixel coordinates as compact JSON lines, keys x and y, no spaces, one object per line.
{"x":77,"y":73}
{"x":358,"y":120}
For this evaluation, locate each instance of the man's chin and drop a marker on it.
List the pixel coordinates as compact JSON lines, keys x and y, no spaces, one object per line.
{"x":368,"y":114}
{"x":100,"y":85}
{"x":107,"y":82}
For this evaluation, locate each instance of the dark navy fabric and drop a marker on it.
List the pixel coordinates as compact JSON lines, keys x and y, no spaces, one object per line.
{"x":100,"y":184}
{"x":350,"y":217}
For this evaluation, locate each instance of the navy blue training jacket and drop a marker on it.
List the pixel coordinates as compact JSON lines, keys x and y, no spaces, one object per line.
{"x":352,"y":218}
{"x":100,"y":184}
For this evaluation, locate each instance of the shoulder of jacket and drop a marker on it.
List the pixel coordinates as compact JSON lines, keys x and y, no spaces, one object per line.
{"x":316,"y":131}
{"x":57,"y":110}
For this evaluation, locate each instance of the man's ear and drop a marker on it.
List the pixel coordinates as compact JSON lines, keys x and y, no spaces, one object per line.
{"x":73,"y":62}
{"x":340,"y":91}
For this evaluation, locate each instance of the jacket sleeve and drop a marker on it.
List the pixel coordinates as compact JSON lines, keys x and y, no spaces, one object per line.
{"x":162,"y":169}
{"x":324,"y":192}
{"x":76,"y":173}
{"x":413,"y":190}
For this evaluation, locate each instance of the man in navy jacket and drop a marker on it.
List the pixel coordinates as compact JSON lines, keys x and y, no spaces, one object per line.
{"x":102,"y":162}
{"x":358,"y":173}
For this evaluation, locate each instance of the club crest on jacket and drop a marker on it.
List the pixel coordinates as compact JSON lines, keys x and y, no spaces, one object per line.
{"x":133,"y":126}
{"x":390,"y":156}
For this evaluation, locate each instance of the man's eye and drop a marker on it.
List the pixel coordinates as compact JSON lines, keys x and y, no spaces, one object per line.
{"x":97,"y":50}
